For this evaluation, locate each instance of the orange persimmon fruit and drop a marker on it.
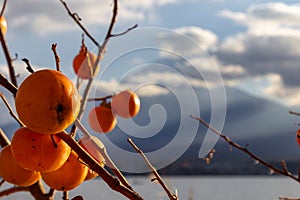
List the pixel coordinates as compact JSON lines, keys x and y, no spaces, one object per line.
{"x":3,"y":24}
{"x":126,"y":104}
{"x":83,"y":63}
{"x":68,"y":176}
{"x":91,"y":145}
{"x":39,"y":152}
{"x":102,"y":119}
{"x":47,"y":101}
{"x":11,"y":172}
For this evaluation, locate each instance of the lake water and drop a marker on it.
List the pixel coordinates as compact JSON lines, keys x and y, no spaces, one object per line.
{"x":193,"y":188}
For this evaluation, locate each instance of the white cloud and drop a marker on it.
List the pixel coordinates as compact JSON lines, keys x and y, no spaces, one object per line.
{"x":187,"y":42}
{"x":268,"y":18}
{"x":270,"y":86}
{"x":268,"y":51}
{"x":44,"y":17}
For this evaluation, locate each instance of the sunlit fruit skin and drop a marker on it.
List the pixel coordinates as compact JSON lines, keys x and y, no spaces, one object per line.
{"x":47,"y":101}
{"x":90,"y":145}
{"x":67,"y":177}
{"x":126,"y":104}
{"x":90,"y":175}
{"x":11,"y":172}
{"x":298,"y":137}
{"x":102,"y":119}
{"x":3,"y":24}
{"x":83,"y":63}
{"x":39,"y":152}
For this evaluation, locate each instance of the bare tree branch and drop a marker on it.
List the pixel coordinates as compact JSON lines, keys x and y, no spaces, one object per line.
{"x":13,"y":190}
{"x":100,"y":98}
{"x":8,"y":59}
{"x":3,"y":8}
{"x":283,"y":172}
{"x":106,"y":157}
{"x":154,"y":171}
{"x":10,"y":109}
{"x":111,"y":181}
{"x":8,"y":85}
{"x":77,"y":19}
{"x":124,"y":32}
{"x":3,"y":139}
{"x":294,"y":113}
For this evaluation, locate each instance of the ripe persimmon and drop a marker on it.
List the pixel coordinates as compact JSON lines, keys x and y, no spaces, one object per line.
{"x":83,"y":63}
{"x":3,"y":24}
{"x":126,"y":104}
{"x":101,"y":119}
{"x":91,"y":145}
{"x":90,"y":175}
{"x":11,"y":172}
{"x":47,"y":101}
{"x":39,"y":152}
{"x":68,"y":176}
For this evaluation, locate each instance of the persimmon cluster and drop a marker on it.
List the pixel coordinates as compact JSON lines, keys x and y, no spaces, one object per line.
{"x":125,"y":104}
{"x":47,"y":102}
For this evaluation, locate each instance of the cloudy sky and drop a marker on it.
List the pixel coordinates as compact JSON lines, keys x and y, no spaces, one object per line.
{"x":254,"y":45}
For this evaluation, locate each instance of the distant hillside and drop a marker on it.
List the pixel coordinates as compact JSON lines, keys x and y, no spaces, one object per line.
{"x":263,"y":126}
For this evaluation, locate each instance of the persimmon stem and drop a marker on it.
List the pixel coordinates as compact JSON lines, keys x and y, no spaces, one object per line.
{"x":154,"y":171}
{"x":57,"y":59}
{"x":29,"y":68}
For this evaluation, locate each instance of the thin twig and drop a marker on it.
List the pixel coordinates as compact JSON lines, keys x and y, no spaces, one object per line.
{"x":65,"y":195}
{"x":13,"y":190}
{"x":29,"y":68}
{"x":106,"y":157}
{"x":77,"y":19}
{"x":294,"y":113}
{"x":3,"y":8}
{"x":4,"y":141}
{"x":1,"y":182}
{"x":101,"y":51}
{"x":284,"y":166}
{"x":124,"y":32}
{"x":57,"y":59}
{"x":8,"y":59}
{"x":287,"y":198}
{"x":154,"y":171}
{"x":11,"y":112}
{"x":8,"y":85}
{"x":100,"y":98}
{"x":245,"y":150}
